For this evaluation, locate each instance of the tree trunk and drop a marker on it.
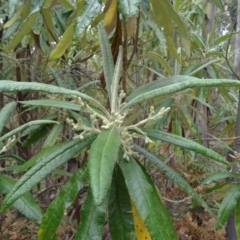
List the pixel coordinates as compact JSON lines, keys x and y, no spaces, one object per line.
{"x":230,"y":228}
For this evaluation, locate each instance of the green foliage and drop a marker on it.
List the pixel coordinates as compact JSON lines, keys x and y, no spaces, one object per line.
{"x":98,"y":125}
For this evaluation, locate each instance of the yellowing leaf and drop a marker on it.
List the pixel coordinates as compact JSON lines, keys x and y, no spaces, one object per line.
{"x":141,"y":231}
{"x":63,"y":44}
{"x":111,"y":15}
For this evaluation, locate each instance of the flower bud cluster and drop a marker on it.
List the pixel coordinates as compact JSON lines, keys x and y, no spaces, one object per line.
{"x":8,"y":146}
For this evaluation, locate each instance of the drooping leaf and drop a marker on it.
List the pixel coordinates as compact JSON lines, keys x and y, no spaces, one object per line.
{"x":46,"y":163}
{"x":172,"y":174}
{"x":92,"y":219}
{"x":12,"y":86}
{"x":5,"y":114}
{"x":110,"y":18}
{"x":26,"y":205}
{"x":141,"y":231}
{"x":228,"y":204}
{"x":63,"y":44}
{"x":119,"y":209}
{"x":23,"y":29}
{"x":218,"y":176}
{"x":185,"y":143}
{"x":146,"y":200}
{"x":91,"y":7}
{"x":52,"y":103}
{"x":172,"y":85}
{"x":102,"y":158}
{"x":31,"y":123}
{"x":16,"y":157}
{"x":55,"y":211}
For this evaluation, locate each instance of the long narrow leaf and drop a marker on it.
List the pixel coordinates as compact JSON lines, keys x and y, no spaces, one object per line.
{"x":218,"y":176}
{"x":53,"y":216}
{"x":119,"y":209}
{"x":52,"y":103}
{"x":228,"y":204}
{"x":108,"y":65}
{"x":102,"y":158}
{"x":185,"y":143}
{"x":19,"y":129}
{"x":172,"y":85}
{"x":92,"y":219}
{"x":26,"y":204}
{"x":146,"y":200}
{"x":172,"y":174}
{"x":46,"y":164}
{"x":5,"y":113}
{"x":12,"y":86}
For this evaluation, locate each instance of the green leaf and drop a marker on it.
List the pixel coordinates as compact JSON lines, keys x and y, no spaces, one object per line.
{"x":119,"y":209}
{"x":146,"y":200}
{"x":5,"y":114}
{"x":129,"y":8}
{"x":102,"y":158}
{"x":36,"y":135}
{"x":92,"y":219}
{"x":228,"y":204}
{"x":108,"y":65}
{"x":12,"y":86}
{"x":218,"y":176}
{"x":16,"y":157}
{"x":161,"y":61}
{"x":172,"y":85}
{"x":218,"y":3}
{"x":172,"y":174}
{"x":63,"y":44}
{"x":237,"y":218}
{"x":55,"y":211}
{"x":46,"y":163}
{"x":52,"y":103}
{"x":185,"y":143}
{"x":53,"y":136}
{"x":19,"y":129}
{"x":26,"y":205}
{"x":23,"y":29}
{"x":91,"y":7}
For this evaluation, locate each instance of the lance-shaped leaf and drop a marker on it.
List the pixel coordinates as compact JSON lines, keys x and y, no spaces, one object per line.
{"x":102,"y":158}
{"x":172,"y":174}
{"x":46,"y":163}
{"x":185,"y":143}
{"x":92,"y":219}
{"x":53,"y":216}
{"x":108,"y":65}
{"x":91,"y":7}
{"x":23,"y":29}
{"x":52,"y":103}
{"x":119,"y":208}
{"x":13,"y":86}
{"x":146,"y":200}
{"x":218,"y":176}
{"x":26,"y":204}
{"x":24,"y":126}
{"x":228,"y":204}
{"x":63,"y":43}
{"x":172,"y":85}
{"x":5,"y":113}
